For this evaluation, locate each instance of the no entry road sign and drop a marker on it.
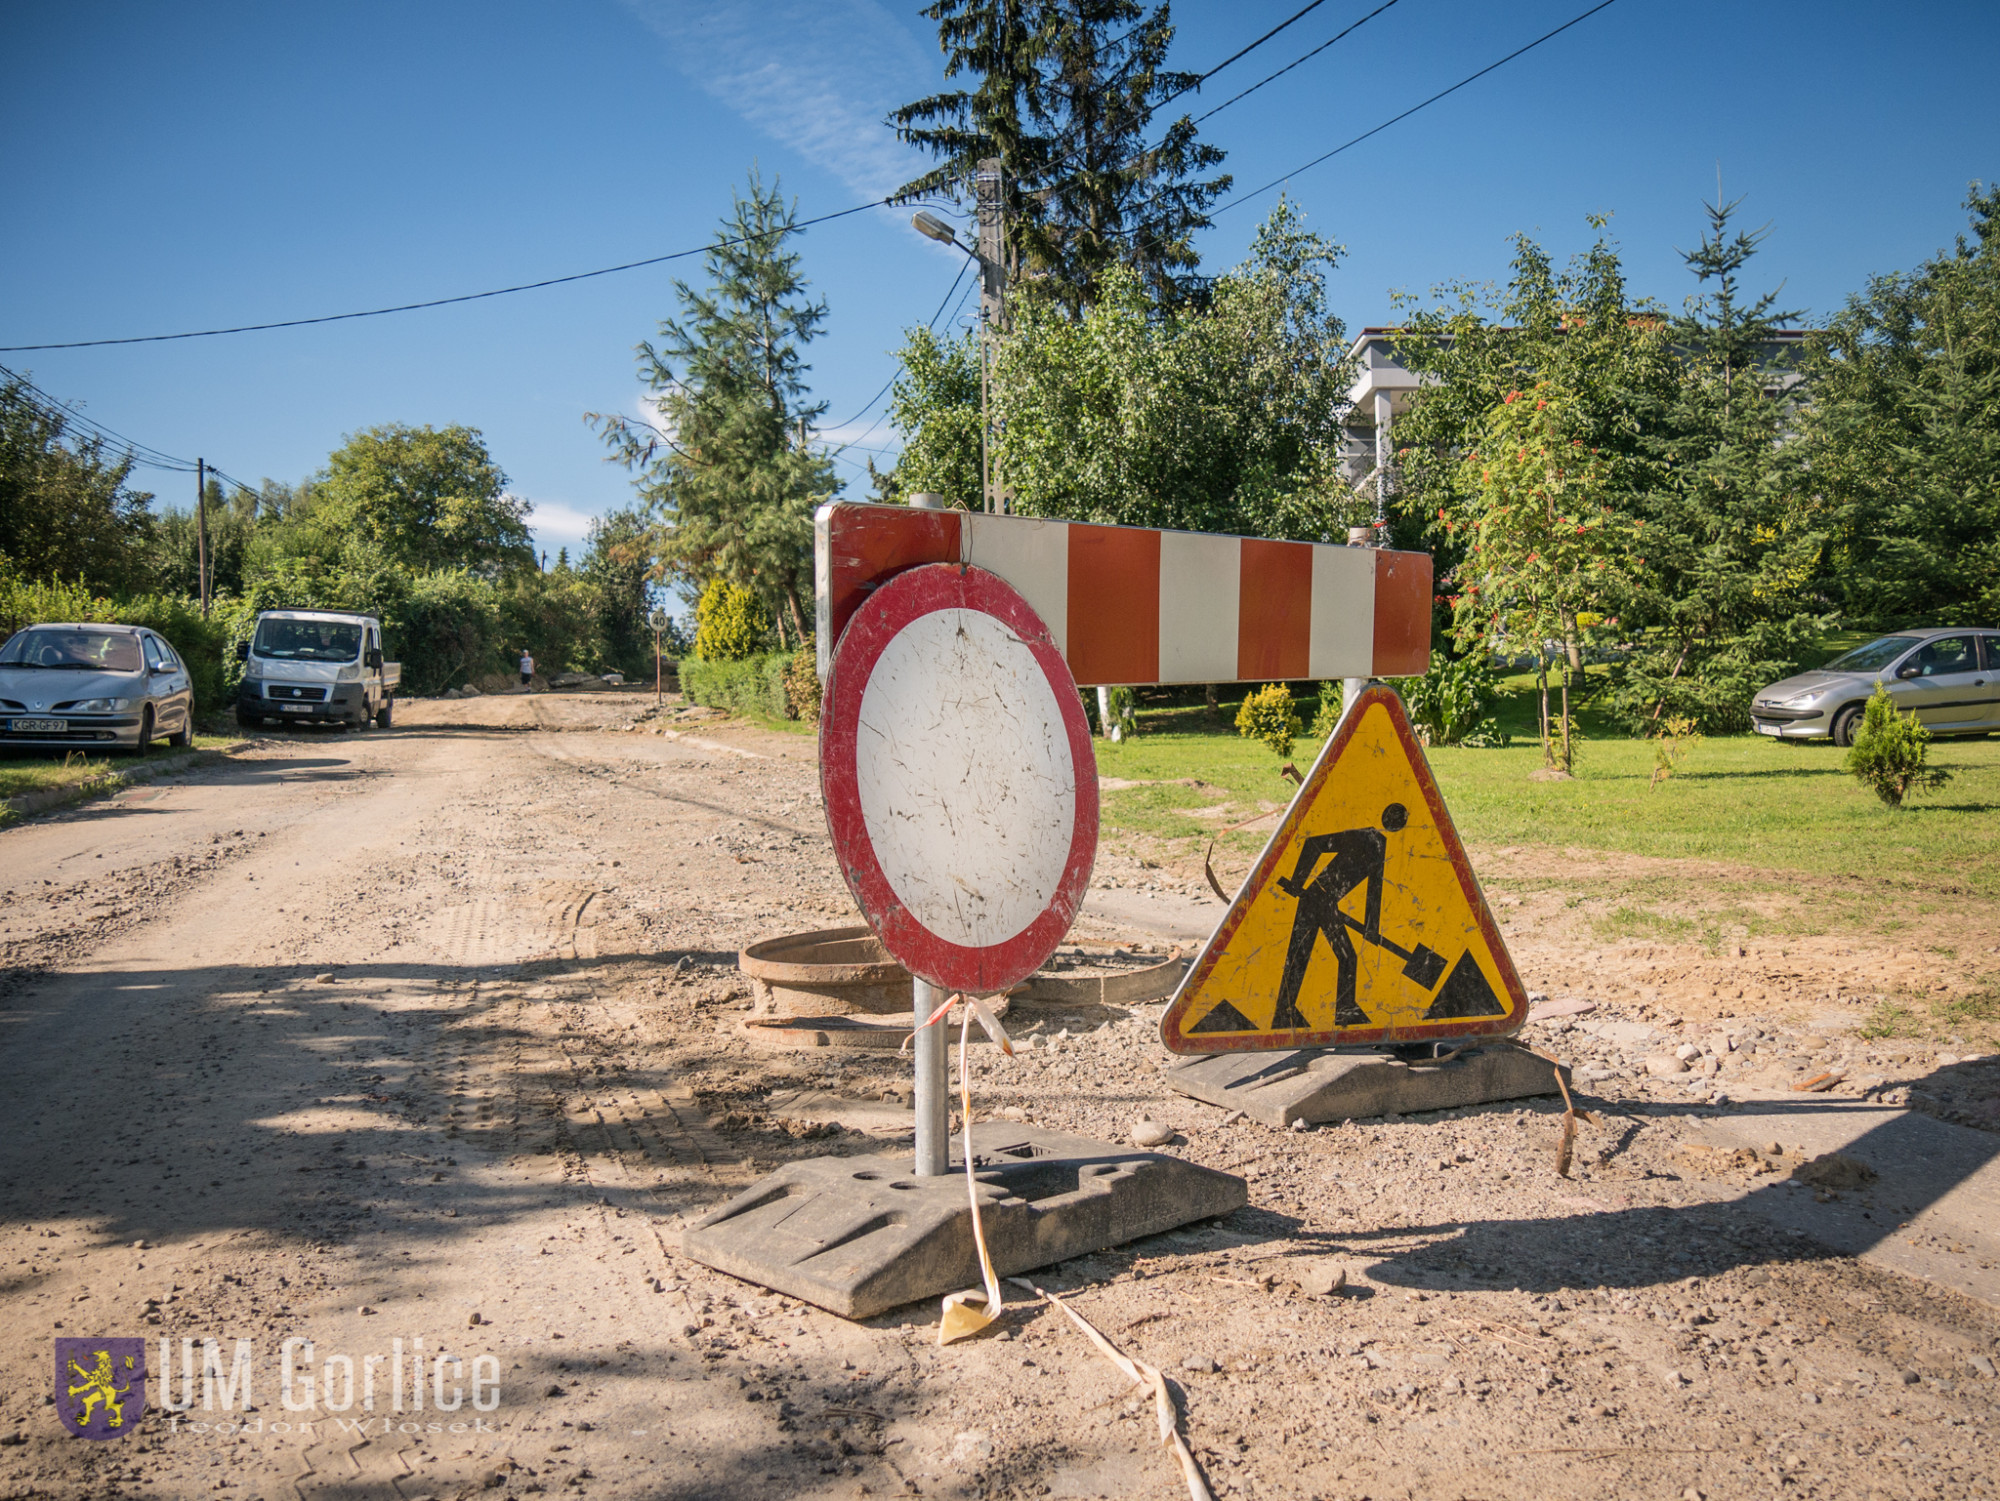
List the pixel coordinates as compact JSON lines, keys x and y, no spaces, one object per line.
{"x":1129,"y":604}
{"x":1361,"y":922}
{"x":960,"y":784}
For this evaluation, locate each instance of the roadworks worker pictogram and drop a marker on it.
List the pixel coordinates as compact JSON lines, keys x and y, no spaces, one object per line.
{"x":1361,"y":922}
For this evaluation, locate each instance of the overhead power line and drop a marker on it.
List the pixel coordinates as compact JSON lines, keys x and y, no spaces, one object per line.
{"x":1238,"y":199}
{"x":576,"y":276}
{"x":1303,"y":58}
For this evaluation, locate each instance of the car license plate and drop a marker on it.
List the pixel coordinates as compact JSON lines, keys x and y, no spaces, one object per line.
{"x":40,"y":726}
{"x":296,"y":708}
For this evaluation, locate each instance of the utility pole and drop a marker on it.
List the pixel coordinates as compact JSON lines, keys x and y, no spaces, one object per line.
{"x":201,"y":533}
{"x":987,"y":185}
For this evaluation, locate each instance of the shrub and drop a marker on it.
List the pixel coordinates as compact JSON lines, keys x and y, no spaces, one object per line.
{"x":730,"y":623}
{"x":802,"y":686}
{"x":1672,"y":745}
{"x":1268,"y":715}
{"x":755,"y":685}
{"x":1327,"y":720}
{"x":1890,"y":750}
{"x":1124,"y":714}
{"x":200,"y":643}
{"x":1448,"y":703}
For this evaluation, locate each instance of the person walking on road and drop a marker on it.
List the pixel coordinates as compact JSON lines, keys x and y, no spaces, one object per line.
{"x":527,"y":668}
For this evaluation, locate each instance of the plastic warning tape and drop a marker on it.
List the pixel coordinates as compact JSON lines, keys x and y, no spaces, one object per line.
{"x":1130,"y":604}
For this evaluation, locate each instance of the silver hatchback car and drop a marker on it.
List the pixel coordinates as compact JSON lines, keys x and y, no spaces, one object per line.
{"x":1950,"y":679}
{"x":92,"y":687}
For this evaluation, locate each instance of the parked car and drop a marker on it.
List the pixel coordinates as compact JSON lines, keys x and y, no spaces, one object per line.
{"x":316,"y":665}
{"x":93,"y":687}
{"x":1949,"y":678}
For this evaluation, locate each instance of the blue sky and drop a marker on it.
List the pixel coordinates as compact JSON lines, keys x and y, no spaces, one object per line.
{"x":200,"y":164}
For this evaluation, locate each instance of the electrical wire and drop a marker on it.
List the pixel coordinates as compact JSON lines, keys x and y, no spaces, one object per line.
{"x":1236,"y":200}
{"x":557,"y":281}
{"x":899,"y":370}
{"x":411,"y":307}
{"x":1307,"y":57}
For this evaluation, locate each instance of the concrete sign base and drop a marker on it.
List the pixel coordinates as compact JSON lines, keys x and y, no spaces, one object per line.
{"x":860,"y":1235}
{"x":1314,"y":1085}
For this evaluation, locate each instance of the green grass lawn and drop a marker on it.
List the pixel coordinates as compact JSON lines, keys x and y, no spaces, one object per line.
{"x":25,"y":773}
{"x":1740,"y":799}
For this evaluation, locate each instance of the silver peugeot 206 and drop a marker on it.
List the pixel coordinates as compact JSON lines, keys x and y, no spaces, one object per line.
{"x":1950,"y":679}
{"x":92,"y":687}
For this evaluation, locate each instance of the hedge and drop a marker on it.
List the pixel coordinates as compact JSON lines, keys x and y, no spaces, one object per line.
{"x":199,"y":642}
{"x":755,"y":685}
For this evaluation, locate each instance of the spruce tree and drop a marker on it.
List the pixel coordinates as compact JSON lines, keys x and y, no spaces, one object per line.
{"x":1904,"y":436}
{"x":1066,"y":95}
{"x":728,"y":472}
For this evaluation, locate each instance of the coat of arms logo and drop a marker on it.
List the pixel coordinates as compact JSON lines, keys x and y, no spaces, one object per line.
{"x":100,"y":1385}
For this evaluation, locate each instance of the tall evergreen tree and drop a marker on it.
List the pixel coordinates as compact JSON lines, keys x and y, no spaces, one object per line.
{"x":1903,"y":437}
{"x":1066,"y":95}
{"x":728,"y":472}
{"x":1732,"y":535}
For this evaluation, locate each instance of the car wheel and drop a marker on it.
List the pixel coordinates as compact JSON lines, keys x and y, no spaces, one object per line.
{"x":183,"y":737}
{"x":145,"y":732}
{"x":248,"y":721}
{"x":386,"y":714}
{"x":1844,"y":723}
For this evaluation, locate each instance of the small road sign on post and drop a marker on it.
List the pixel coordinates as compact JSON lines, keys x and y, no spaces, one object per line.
{"x":961,"y":793}
{"x":1361,"y":922}
{"x":658,"y":621}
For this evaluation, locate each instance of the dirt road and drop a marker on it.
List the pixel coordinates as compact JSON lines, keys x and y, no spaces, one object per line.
{"x":422,"y":1046}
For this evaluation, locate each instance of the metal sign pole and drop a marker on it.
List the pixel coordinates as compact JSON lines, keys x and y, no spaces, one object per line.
{"x":933,"y":1092}
{"x":931,"y":1046}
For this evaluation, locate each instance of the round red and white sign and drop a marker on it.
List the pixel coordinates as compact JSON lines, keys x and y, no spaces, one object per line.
{"x":960,"y":784}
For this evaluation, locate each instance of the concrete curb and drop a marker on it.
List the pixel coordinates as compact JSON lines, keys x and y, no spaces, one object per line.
{"x":31,"y":803}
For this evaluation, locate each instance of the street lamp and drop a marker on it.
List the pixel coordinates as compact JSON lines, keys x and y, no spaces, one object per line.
{"x":932,"y":227}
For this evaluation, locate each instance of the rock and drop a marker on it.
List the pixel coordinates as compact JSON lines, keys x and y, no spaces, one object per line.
{"x":1674,"y":1381}
{"x":1834,"y":1170}
{"x":1322,"y":1278}
{"x":1201,"y":1364}
{"x":1151,"y":1133}
{"x":325,"y":979}
{"x":1302,"y":1125}
{"x":1983,"y":1365}
{"x":1665,"y":1066}
{"x":142,"y":1245}
{"x":1232,"y":1118}
{"x":970,"y":1447}
{"x":470,"y":690}
{"x":1908,"y":1378}
{"x":473,"y":1321}
{"x":1687,"y":1052}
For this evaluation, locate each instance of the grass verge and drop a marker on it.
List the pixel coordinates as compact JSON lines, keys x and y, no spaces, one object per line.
{"x":23,"y":774}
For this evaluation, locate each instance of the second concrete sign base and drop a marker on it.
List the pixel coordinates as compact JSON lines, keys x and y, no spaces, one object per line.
{"x":1315,"y":1085}
{"x":860,"y":1235}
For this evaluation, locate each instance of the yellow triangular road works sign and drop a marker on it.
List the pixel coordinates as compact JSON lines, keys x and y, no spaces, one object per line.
{"x":1361,"y":921}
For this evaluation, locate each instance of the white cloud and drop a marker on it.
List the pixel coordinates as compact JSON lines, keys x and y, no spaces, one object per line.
{"x":557,"y":525}
{"x":818,"y":77}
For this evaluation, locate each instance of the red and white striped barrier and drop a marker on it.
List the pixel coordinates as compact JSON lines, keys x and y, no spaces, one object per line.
{"x":1128,"y":604}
